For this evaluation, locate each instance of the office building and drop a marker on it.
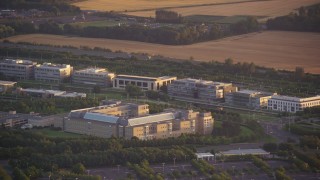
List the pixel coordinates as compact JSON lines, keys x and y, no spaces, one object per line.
{"x":292,"y":104}
{"x":93,"y":76}
{"x":47,"y":93}
{"x":129,"y":120}
{"x":13,"y":119}
{"x":18,"y":69}
{"x":145,"y":83}
{"x":56,"y":73}
{"x":249,"y":99}
{"x":199,"y":90}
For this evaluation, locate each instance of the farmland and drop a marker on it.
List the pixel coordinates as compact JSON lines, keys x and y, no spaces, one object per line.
{"x":281,"y":50}
{"x":125,"y":5}
{"x":268,"y":8}
{"x":258,"y":8}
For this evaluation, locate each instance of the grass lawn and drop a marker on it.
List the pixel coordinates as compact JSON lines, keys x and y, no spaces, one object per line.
{"x":245,"y":131}
{"x":54,"y":133}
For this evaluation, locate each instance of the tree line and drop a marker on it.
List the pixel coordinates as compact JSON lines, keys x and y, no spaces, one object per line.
{"x":307,"y":19}
{"x":186,"y":34}
{"x":57,"y":7}
{"x":165,"y":16}
{"x":47,"y":106}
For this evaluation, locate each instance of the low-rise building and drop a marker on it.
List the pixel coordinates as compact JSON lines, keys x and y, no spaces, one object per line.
{"x":199,"y":90}
{"x":292,"y":104}
{"x":13,"y":119}
{"x":145,"y":83}
{"x":44,"y":121}
{"x":46,"y":93}
{"x":249,"y":99}
{"x":129,"y":120}
{"x":17,"y":68}
{"x":56,"y":73}
{"x":6,"y":85}
{"x":93,"y":76}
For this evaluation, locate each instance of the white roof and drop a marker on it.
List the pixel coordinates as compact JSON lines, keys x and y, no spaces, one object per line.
{"x":7,"y":83}
{"x":295,"y":99}
{"x":202,"y":155}
{"x":203,"y":82}
{"x":150,"y":119}
{"x":245,"y":152}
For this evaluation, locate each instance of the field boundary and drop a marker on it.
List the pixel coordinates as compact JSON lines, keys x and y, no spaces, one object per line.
{"x":190,"y":6}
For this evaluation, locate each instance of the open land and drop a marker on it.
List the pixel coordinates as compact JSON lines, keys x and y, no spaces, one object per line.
{"x":125,"y":5}
{"x":277,"y":49}
{"x":270,"y":8}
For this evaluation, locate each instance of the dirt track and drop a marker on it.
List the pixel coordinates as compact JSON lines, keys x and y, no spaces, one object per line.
{"x":281,"y":50}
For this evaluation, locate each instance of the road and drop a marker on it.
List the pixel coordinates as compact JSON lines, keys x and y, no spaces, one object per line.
{"x":276,"y":130}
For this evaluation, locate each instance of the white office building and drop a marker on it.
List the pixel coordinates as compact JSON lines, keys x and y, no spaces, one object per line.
{"x":93,"y":76}
{"x":292,"y":104}
{"x":201,"y":90}
{"x":17,"y":68}
{"x":56,"y":73}
{"x":145,"y":83}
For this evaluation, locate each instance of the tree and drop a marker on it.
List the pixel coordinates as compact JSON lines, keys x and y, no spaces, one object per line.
{"x":228,"y":62}
{"x":270,"y":147}
{"x":133,"y":90}
{"x":4,"y":174}
{"x":299,"y":73}
{"x":96,"y":89}
{"x":6,"y":31}
{"x":79,"y":168}
{"x":19,"y":175}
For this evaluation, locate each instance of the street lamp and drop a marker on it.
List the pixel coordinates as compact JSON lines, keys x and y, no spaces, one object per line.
{"x":163,"y":167}
{"x":233,"y":169}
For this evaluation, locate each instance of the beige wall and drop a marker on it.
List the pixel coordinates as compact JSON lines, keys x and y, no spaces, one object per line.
{"x":95,"y":128}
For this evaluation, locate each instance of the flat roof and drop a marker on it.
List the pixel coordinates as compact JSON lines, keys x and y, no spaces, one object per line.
{"x":203,"y":82}
{"x":6,"y":83}
{"x":101,"y":117}
{"x":245,"y":152}
{"x":93,"y":71}
{"x":247,"y":91}
{"x":151,"y":119}
{"x":18,"y":61}
{"x":203,"y":155}
{"x":53,"y":66}
{"x":144,"y":78}
{"x":295,"y":99}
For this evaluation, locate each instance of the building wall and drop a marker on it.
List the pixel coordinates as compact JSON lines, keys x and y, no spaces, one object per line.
{"x":292,"y":104}
{"x":52,"y":73}
{"x":147,"y":84}
{"x":254,"y":100}
{"x":19,"y":69}
{"x":204,"y":124}
{"x":206,"y":91}
{"x":94,"y":128}
{"x":101,"y":78}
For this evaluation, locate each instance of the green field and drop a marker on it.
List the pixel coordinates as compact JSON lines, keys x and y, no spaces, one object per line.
{"x":55,"y":133}
{"x":246,"y":131}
